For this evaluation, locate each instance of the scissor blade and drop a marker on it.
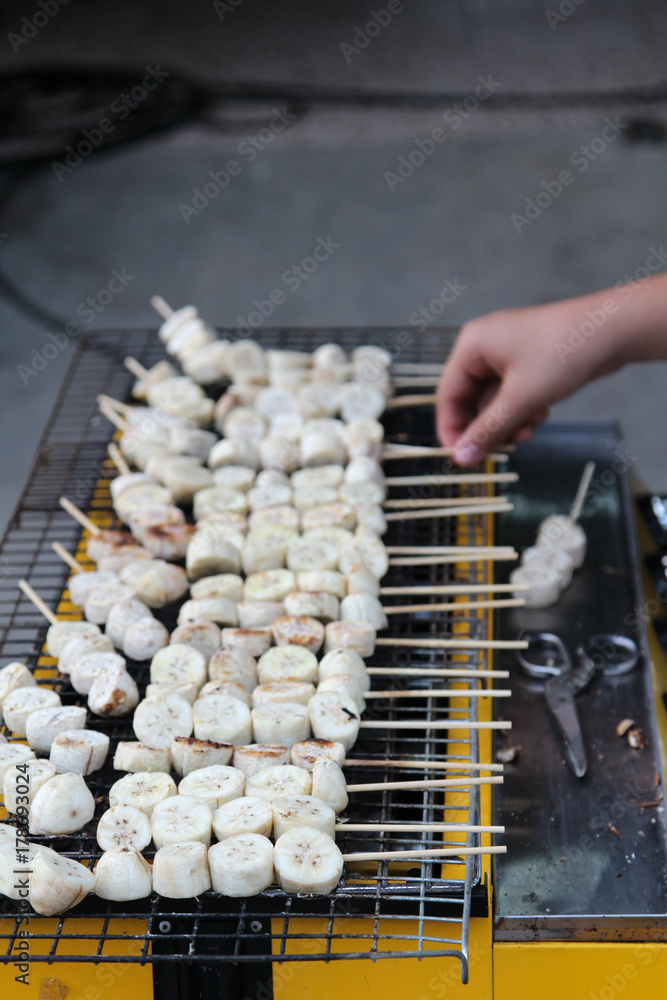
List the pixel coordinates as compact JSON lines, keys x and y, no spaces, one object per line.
{"x":561,"y":702}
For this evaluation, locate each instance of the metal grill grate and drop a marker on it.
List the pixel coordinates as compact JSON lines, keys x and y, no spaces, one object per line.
{"x":437,"y":898}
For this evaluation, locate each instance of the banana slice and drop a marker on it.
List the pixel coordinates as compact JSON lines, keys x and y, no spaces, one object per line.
{"x":256,"y":756}
{"x":113,"y":693}
{"x":129,"y":569}
{"x":259,"y":614}
{"x":360,"y":580}
{"x":277,"y":693}
{"x":142,"y":789}
{"x":19,"y":703}
{"x":215,"y":784}
{"x":76,"y":648}
{"x":263,"y":557}
{"x":160,"y":514}
{"x":178,"y":663}
{"x":223,"y":719}
{"x":211,"y":553}
{"x":228,"y":524}
{"x":345,"y":661}
{"x":80,"y":584}
{"x":315,"y":496}
{"x":282,"y":663}
{"x":334,"y":717}
{"x":185,"y":689}
{"x":179,"y":819}
{"x":64,"y":804}
{"x":359,"y":399}
{"x":283,"y":723}
{"x":271,"y":585}
{"x":192,"y":440}
{"x":272,"y":782}
{"x":269,"y":517}
{"x":347,"y":685}
{"x":122,"y":874}
{"x":278,"y":451}
{"x":101,"y":598}
{"x":23,"y":781}
{"x":363,"y":608}
{"x":12,"y":754}
{"x":191,"y":754}
{"x":560,"y":531}
{"x":219,"y":498}
{"x":302,"y":810}
{"x":552,"y":557}
{"x":123,"y":482}
{"x":249,"y":814}
{"x":168,"y":541}
{"x":329,"y":515}
{"x":372,"y":517}
{"x":255,"y":641}
{"x":159,"y":371}
{"x":234,"y":477}
{"x":143,"y":495}
{"x":161,"y":584}
{"x":134,"y":756}
{"x":57,"y":884}
{"x":273,"y":403}
{"x":180,"y":871}
{"x":298,"y":630}
{"x":338,"y":537}
{"x":359,"y":637}
{"x":232,"y":452}
{"x":159,"y":718}
{"x":84,"y":672}
{"x":321,"y":447}
{"x":231,"y":688}
{"x":213,"y":609}
{"x":144,"y":638}
{"x":43,"y":726}
{"x":318,"y":401}
{"x":305,"y":754}
{"x":110,"y":542}
{"x":364,"y":436}
{"x":322,"y":606}
{"x":305,"y":554}
{"x":365,"y":548}
{"x":329,"y":356}
{"x":329,"y":784}
{"x":228,"y":585}
{"x":121,"y":616}
{"x":81,"y":751}
{"x":327,"y":581}
{"x":543,"y":581}
{"x":364,"y":469}
{"x":323,"y":476}
{"x":241,"y":865}
{"x":61,"y":633}
{"x":307,"y":860}
{"x":234,"y":664}
{"x":124,"y":826}
{"x":271,"y":494}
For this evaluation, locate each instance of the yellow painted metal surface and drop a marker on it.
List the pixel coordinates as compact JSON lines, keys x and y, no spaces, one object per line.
{"x":588,"y":971}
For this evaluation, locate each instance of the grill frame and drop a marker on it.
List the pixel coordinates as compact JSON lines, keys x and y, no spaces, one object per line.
{"x":71,"y":460}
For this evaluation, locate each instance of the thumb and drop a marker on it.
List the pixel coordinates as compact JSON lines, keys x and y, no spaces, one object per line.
{"x":504,"y":414}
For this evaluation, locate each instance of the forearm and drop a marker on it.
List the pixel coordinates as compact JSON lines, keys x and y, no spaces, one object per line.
{"x":639,"y":329}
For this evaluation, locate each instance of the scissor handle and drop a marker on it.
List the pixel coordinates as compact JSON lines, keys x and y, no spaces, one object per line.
{"x":611,"y":653}
{"x":545,"y":656}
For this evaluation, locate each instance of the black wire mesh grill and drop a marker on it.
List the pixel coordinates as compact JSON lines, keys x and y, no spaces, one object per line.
{"x":358,"y":919}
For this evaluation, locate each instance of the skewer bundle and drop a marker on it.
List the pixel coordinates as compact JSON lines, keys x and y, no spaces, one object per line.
{"x":281,"y":563}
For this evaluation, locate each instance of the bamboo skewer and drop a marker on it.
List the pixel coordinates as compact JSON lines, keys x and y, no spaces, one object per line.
{"x":439,"y":693}
{"x":435,"y":765}
{"x":415,"y":503}
{"x":79,"y":516}
{"x":396,"y":451}
{"x":112,"y":416}
{"x":452,"y":588}
{"x":396,"y":786}
{"x":449,"y":560}
{"x":135,"y":367}
{"x":442,"y":852}
{"x":464,"y":511}
{"x":67,"y":558}
{"x":575,"y":509}
{"x":449,"y":550}
{"x":38,"y":602}
{"x":462,"y":643}
{"x":416,"y":381}
{"x":118,"y":460}
{"x":454,"y":478}
{"x":115,"y":404}
{"x":404,"y":609}
{"x":161,"y":307}
{"x":421,"y":724}
{"x":416,"y":828}
{"x":462,"y":673}
{"x":416,"y":368}
{"x":420,"y":399}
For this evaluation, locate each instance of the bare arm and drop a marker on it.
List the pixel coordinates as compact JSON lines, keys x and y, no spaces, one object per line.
{"x":508,"y":367}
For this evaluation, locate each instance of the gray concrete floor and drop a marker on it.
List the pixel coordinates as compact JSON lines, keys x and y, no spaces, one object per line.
{"x":325,"y":177}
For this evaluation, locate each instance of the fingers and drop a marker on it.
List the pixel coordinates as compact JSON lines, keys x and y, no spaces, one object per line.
{"x":466,"y":384}
{"x":509,"y":416}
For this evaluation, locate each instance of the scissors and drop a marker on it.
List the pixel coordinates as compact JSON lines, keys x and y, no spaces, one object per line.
{"x":547,"y":658}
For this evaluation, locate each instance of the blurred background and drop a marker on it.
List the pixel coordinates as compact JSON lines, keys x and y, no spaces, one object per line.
{"x":120,"y":124}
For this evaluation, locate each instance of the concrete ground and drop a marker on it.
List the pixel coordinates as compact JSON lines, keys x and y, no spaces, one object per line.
{"x":325,"y":176}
